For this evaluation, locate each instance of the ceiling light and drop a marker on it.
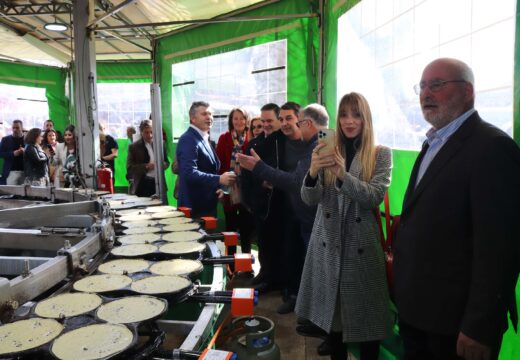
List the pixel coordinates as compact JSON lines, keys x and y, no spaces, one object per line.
{"x":55,"y":26}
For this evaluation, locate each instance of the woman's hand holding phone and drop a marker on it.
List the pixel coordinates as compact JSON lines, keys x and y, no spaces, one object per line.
{"x":319,"y":162}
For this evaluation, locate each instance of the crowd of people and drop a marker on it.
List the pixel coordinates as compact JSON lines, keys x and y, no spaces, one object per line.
{"x":456,"y":255}
{"x":45,"y":157}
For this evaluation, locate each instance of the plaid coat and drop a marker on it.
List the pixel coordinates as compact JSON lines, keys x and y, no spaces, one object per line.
{"x":345,"y":255}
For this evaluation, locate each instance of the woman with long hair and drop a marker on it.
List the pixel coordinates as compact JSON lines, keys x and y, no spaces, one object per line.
{"x":68,"y":167}
{"x":229,"y":144}
{"x":343,"y":289}
{"x":49,"y":146}
{"x":35,"y":161}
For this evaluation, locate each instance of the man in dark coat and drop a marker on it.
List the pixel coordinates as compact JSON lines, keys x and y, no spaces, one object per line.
{"x":140,"y":164}
{"x":456,"y":251}
{"x":294,"y":241}
{"x":266,"y":202}
{"x":12,"y":149}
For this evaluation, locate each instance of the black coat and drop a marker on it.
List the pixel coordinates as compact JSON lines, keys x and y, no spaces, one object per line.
{"x":262,"y":201}
{"x":457,"y":248}
{"x":136,"y":164}
{"x":36,"y":162}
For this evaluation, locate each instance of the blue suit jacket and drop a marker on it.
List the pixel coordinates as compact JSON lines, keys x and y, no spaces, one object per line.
{"x":198,"y":173}
{"x":6,"y":152}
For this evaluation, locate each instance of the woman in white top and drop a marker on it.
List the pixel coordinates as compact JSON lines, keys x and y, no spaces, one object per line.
{"x":66,"y":154}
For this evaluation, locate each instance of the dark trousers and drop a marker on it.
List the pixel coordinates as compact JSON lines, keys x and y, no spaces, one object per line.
{"x":293,"y":256}
{"x":241,"y":220}
{"x":146,"y":187}
{"x":422,"y":345}
{"x":270,"y":237}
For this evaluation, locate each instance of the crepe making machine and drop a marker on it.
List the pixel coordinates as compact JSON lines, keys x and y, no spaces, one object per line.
{"x":50,"y":238}
{"x":47,"y":236}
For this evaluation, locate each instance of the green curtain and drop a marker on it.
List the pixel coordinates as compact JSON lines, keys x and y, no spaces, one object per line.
{"x":511,"y":342}
{"x":302,"y":40}
{"x":124,"y":72}
{"x":52,"y":79}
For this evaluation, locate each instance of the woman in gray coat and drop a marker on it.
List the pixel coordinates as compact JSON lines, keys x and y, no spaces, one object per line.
{"x":343,"y":288}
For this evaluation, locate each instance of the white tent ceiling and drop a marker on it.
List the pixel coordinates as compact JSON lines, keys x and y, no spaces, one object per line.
{"x":23,"y":36}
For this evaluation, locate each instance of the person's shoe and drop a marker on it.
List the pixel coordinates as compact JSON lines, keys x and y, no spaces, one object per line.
{"x":287,"y":307}
{"x":325,"y":348}
{"x":303,"y":321}
{"x":311,"y":330}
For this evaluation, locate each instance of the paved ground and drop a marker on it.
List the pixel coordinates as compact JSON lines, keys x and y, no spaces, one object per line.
{"x":292,"y":346}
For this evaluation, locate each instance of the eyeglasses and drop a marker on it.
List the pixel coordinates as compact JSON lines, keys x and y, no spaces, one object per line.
{"x":299,"y":123}
{"x":434,"y":85}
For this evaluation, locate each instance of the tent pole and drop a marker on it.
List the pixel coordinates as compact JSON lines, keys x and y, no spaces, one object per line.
{"x":321,"y":54}
{"x":85,"y":92}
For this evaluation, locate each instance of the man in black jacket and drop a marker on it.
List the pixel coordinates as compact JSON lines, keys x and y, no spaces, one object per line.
{"x":140,"y":164}
{"x":12,"y":149}
{"x":264,"y":201}
{"x":288,"y":179}
{"x":457,"y":250}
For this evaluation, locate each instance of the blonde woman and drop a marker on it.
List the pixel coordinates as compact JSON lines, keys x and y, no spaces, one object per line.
{"x":343,"y":289}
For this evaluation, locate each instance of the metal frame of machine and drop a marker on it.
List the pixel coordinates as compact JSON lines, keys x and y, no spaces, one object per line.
{"x":78,"y":237}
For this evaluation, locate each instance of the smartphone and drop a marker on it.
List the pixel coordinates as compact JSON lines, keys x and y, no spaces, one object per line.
{"x":327,"y":137}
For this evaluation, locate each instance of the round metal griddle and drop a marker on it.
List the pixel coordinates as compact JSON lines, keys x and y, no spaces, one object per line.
{"x":168,"y":228}
{"x":123,"y":266}
{"x":174,"y":288}
{"x":134,"y":250}
{"x":183,"y":236}
{"x":157,"y":222}
{"x":95,"y":341}
{"x":182,"y":227}
{"x":67,"y":305}
{"x":139,"y":223}
{"x":146,"y":210}
{"x":182,"y":248}
{"x":25,"y":337}
{"x":102,"y":283}
{"x":142,"y":230}
{"x":132,"y":309}
{"x":139,"y":239}
{"x":191,"y":249}
{"x":135,"y":217}
{"x":167,"y":214}
{"x":180,"y":267}
{"x":162,"y":208}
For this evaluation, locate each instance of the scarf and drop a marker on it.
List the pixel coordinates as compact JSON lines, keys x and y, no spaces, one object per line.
{"x":238,"y":142}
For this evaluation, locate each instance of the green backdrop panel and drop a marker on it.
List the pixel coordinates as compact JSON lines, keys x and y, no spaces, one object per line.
{"x":52,"y":79}
{"x":403,"y":161}
{"x":213,"y":39}
{"x":218,"y":38}
{"x":122,"y":72}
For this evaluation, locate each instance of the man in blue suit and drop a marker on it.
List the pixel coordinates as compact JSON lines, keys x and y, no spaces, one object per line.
{"x":200,"y":184}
